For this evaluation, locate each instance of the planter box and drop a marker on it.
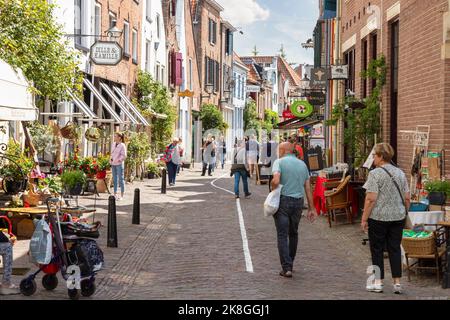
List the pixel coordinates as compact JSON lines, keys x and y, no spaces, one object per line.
{"x":437,"y":198}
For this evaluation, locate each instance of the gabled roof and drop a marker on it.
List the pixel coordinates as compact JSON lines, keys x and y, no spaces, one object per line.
{"x":284,"y":67}
{"x":238,"y":61}
{"x":253,"y":74}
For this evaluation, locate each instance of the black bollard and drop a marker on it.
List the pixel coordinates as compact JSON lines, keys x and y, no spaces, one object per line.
{"x":137,"y":207}
{"x":164,"y":181}
{"x":112,"y":223}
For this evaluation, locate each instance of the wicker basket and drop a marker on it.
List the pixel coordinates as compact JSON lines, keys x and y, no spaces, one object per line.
{"x":447,"y":214}
{"x":69,"y":131}
{"x":419,"y":246}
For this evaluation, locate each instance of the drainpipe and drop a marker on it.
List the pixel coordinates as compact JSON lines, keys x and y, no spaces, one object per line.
{"x":337,"y":92}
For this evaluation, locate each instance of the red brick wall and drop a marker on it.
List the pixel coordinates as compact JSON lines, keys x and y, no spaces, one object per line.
{"x":126,"y":71}
{"x":424,"y":77}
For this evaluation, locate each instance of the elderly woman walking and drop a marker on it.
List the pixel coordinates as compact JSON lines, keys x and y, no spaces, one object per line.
{"x":385,"y":214}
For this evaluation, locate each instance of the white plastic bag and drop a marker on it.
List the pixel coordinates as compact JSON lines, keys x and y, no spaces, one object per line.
{"x":41,"y":243}
{"x":272,"y":202}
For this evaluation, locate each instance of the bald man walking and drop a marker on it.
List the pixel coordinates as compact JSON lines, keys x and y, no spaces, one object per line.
{"x":293,"y":175}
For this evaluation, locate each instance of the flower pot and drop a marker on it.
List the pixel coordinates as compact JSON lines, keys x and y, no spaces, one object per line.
{"x":76,"y":190}
{"x":151,"y":175}
{"x":14,"y":187}
{"x":101,"y":174}
{"x":437,"y":198}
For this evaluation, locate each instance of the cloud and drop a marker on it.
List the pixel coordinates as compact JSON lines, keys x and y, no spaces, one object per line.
{"x":243,"y":12}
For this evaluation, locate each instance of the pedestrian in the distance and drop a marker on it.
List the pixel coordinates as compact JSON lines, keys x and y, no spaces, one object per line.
{"x":252,"y":154}
{"x":387,"y":198}
{"x":118,"y":156}
{"x":172,"y":159}
{"x":208,"y":149}
{"x":181,"y":150}
{"x":6,"y":252}
{"x":213,"y":162}
{"x":222,"y":151}
{"x":293,"y":175}
{"x":239,"y":169}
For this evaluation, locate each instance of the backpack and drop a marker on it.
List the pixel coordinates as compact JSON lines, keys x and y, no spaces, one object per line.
{"x":41,"y":243}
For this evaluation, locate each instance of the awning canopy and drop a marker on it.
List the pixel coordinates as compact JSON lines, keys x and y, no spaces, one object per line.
{"x":119,"y":103}
{"x":103,"y":101}
{"x":132,"y":106}
{"x":16,"y":102}
{"x":296,"y":123}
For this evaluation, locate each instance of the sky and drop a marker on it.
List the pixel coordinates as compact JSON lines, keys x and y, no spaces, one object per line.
{"x":270,"y":23}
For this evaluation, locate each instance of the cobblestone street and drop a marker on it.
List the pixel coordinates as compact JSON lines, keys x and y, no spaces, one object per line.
{"x":189,"y":246}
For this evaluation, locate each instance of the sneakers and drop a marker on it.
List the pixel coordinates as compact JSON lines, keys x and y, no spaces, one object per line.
{"x":286,"y":274}
{"x":247,"y":196}
{"x":9,"y":289}
{"x":398,"y":289}
{"x":377,"y":288}
{"x":237,"y":197}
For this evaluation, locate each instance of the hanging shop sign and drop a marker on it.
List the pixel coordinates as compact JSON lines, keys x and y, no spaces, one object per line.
{"x":339,"y":72}
{"x":287,"y":114}
{"x":186,"y":94}
{"x":319,"y":77}
{"x":302,"y":109}
{"x":252,"y":89}
{"x":317,"y":98}
{"x":107,"y":53}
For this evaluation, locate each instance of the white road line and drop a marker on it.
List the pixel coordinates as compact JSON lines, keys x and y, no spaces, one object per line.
{"x":248,"y":258}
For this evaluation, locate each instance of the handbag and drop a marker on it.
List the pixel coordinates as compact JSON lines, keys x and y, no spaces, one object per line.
{"x":408,"y":222}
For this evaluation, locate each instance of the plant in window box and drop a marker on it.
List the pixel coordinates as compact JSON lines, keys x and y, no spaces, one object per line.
{"x":73,"y":182}
{"x":438,"y":191}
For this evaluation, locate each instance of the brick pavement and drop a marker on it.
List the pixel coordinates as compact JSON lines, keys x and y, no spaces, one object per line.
{"x":189,"y":246}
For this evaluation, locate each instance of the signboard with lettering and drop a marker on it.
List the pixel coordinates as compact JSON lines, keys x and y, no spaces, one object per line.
{"x":319,"y":77}
{"x":317,"y":98}
{"x":106,"y":53}
{"x":339,"y":72}
{"x":251,"y":89}
{"x":302,"y":109}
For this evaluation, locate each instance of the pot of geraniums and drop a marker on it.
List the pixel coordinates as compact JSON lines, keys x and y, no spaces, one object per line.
{"x":153,"y":170}
{"x":15,"y":168}
{"x":89,"y":166}
{"x":73,"y":182}
{"x":438,"y":191}
{"x":103,"y":162}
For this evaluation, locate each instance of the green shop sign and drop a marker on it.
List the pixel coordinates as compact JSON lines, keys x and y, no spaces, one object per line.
{"x":302,"y":109}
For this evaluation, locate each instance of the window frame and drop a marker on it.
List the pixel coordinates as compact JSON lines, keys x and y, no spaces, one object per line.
{"x":134,"y":45}
{"x":126,"y":39}
{"x":98,"y":22}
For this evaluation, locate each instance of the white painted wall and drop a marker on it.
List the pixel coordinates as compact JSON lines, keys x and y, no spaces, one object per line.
{"x":157,"y":46}
{"x":239,"y":100}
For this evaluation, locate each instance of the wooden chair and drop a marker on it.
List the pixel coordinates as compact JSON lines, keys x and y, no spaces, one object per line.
{"x":439,"y":251}
{"x":338,"y":199}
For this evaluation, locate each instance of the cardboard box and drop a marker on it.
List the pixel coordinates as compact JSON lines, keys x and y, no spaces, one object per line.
{"x":436,"y":208}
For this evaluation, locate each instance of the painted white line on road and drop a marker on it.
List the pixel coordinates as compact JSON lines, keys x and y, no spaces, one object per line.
{"x":248,"y":257}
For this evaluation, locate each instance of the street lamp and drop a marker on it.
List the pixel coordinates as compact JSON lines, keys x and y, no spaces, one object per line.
{"x":114,"y":32}
{"x":226,"y":94}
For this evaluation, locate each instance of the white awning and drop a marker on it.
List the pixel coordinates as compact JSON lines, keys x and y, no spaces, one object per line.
{"x":119,"y":103}
{"x":16,"y":102}
{"x":102,"y":100}
{"x":131,"y":106}
{"x":82,"y":106}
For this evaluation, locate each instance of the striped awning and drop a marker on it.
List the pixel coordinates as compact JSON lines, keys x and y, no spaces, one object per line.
{"x":103,"y":101}
{"x":131,"y":106}
{"x":119,"y":103}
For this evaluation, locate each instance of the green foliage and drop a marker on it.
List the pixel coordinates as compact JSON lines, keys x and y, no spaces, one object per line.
{"x":438,"y":186}
{"x":362,"y":124}
{"x":251,"y":121}
{"x":271,"y":119}
{"x":153,"y":96}
{"x":52,"y":185}
{"x":70,"y":179}
{"x":138,"y":149}
{"x":103,"y":162}
{"x":20,"y":165}
{"x":212,"y":118}
{"x":30,"y":39}
{"x":153,"y":167}
{"x":42,"y":137}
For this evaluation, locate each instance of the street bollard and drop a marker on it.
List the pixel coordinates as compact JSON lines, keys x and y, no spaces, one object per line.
{"x":112,"y":223}
{"x":136,"y":207}
{"x":164,"y":181}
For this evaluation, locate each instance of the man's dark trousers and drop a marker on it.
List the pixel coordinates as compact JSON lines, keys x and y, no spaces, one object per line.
{"x":287,"y":220}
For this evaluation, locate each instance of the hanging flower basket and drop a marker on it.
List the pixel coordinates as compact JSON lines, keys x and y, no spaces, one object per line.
{"x":93,"y":134}
{"x":70,"y":131}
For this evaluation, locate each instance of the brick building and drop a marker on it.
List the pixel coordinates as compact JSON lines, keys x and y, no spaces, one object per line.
{"x":414,"y":36}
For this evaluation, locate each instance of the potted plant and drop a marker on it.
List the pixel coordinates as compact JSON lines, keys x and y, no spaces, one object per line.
{"x":103,"y":162}
{"x":15,"y":169}
{"x":73,"y":182}
{"x":153,"y":170}
{"x":437,"y":191}
{"x":89,"y":166}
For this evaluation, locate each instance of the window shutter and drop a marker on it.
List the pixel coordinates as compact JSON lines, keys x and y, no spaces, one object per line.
{"x":206,"y":71}
{"x":174,"y":7}
{"x":214,"y":32}
{"x":173,"y":68}
{"x":178,"y":69}
{"x":217,"y":76}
